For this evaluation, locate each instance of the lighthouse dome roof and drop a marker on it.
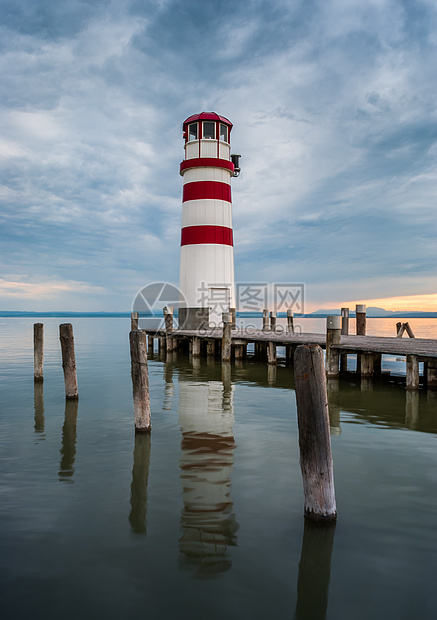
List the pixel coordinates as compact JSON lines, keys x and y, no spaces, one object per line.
{"x":208,"y":116}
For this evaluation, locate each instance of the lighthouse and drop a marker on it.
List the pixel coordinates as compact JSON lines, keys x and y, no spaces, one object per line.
{"x":207,"y":252}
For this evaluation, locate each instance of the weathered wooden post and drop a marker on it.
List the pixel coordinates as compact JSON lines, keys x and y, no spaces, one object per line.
{"x":431,"y":375}
{"x":412,"y":372}
{"x":227,"y":337}
{"x":271,"y":353}
{"x":273,"y":321}
{"x":168,"y":320}
{"x":360,"y":314}
{"x":38,"y":352}
{"x":290,"y":322}
{"x":265,"y":319}
{"x":399,"y":330}
{"x":196,"y":345}
{"x":333,"y":336}
{"x":367,"y":364}
{"x":345,"y":321}
{"x":140,"y":381}
{"x":240,"y":350}
{"x":68,"y":360}
{"x":138,"y":489}
{"x":314,"y":436}
{"x":134,"y":317}
{"x":210,"y":347}
{"x":233,"y":312}
{"x":150,"y":345}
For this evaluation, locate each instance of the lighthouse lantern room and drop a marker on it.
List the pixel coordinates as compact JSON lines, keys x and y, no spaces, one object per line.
{"x":207,"y":252}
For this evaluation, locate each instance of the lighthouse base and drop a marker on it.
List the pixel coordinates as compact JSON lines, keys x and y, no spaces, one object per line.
{"x":193,"y":318}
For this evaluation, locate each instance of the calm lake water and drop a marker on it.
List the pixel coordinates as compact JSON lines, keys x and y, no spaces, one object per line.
{"x":204,"y":519}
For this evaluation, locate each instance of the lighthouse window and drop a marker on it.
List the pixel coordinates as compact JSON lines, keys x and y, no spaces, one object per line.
{"x":223,"y":133}
{"x":192,"y":134}
{"x":209,"y":131}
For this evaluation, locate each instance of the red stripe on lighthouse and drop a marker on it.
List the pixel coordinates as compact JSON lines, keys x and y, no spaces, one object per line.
{"x":193,"y":235}
{"x":206,"y":189}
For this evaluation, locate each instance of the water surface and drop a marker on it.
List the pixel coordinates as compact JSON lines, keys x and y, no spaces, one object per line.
{"x":204,"y":518}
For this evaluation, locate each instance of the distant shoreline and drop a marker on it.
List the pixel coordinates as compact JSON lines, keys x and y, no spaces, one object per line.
{"x":249,"y":315}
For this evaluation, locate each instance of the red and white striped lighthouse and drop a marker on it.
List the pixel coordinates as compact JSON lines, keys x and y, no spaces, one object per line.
{"x":207,"y":252}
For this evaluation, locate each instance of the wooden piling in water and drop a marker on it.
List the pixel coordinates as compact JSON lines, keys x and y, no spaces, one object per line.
{"x":366,"y":365}
{"x":314,"y":435}
{"x":38,"y":352}
{"x":150,"y":345}
{"x":134,"y":318}
{"x":210,"y":347}
{"x":344,"y":332}
{"x":333,"y":336}
{"x":196,"y":346}
{"x":271,"y":353}
{"x":168,"y":320}
{"x":431,"y":375}
{"x":140,"y":381}
{"x":68,"y":360}
{"x":227,"y":338}
{"x":412,"y":382}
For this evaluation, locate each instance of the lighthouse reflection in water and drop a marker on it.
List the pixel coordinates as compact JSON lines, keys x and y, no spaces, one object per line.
{"x":208,"y":523}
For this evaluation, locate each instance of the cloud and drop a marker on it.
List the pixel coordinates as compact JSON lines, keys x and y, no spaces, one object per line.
{"x":333,"y":111}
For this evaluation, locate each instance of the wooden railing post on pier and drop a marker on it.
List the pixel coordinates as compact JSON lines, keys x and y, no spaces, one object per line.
{"x":360,"y":314}
{"x":333,"y":336}
{"x":290,"y":322}
{"x":38,"y":352}
{"x":233,"y":312}
{"x":134,"y":317}
{"x":314,"y":435}
{"x":344,"y":332}
{"x":227,"y":338}
{"x":273,"y":321}
{"x":68,"y":360}
{"x":265,"y":319}
{"x":140,"y":381}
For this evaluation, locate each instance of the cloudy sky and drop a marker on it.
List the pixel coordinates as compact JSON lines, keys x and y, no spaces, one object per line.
{"x":334,"y":107}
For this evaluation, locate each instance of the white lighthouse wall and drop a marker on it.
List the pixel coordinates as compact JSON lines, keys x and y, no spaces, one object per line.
{"x":207,"y":212}
{"x":207,"y":174}
{"x":204,"y":266}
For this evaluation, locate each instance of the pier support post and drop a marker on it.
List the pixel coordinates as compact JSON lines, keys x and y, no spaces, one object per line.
{"x":140,"y":381}
{"x":271,"y":353}
{"x":265,"y":319}
{"x":289,"y":354}
{"x":377,"y":364}
{"x":150,"y":345}
{"x":168,"y":319}
{"x":196,"y":346}
{"x":412,"y":372}
{"x":333,"y":336}
{"x":210,"y":347}
{"x":290,"y":322}
{"x":134,"y":318}
{"x":227,"y":337}
{"x":314,"y":435}
{"x":38,"y":352}
{"x":366,"y":368}
{"x":431,"y":375}
{"x":68,"y":360}
{"x":239,"y":351}
{"x":273,"y":321}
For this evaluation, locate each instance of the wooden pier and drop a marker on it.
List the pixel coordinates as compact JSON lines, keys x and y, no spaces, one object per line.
{"x":230,"y":343}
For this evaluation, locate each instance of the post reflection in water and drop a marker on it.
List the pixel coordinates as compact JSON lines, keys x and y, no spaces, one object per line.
{"x":333,"y":388}
{"x":314,"y":571}
{"x":411,"y":408}
{"x":140,"y":479}
{"x":69,"y":437}
{"x":169,"y":386}
{"x":38,"y":405}
{"x":208,"y":523}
